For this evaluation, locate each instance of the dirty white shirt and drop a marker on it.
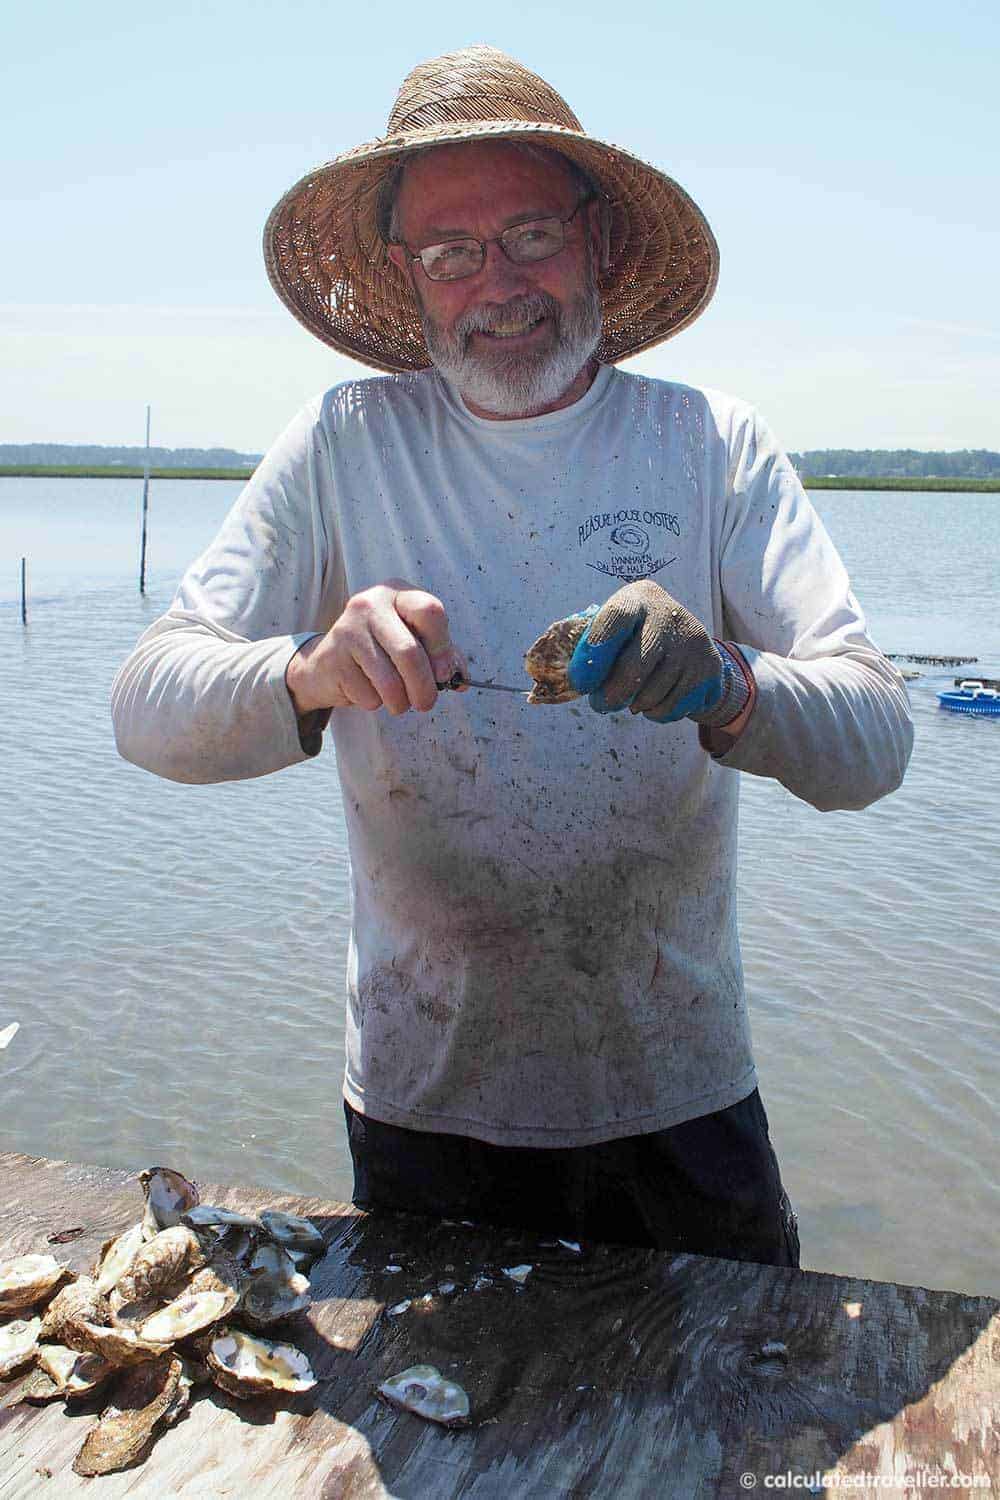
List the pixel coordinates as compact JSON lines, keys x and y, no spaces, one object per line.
{"x":544,"y":947}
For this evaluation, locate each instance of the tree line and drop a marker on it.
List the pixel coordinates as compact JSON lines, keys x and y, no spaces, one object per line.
{"x":898,"y":463}
{"x":847,"y":463}
{"x":95,"y":456}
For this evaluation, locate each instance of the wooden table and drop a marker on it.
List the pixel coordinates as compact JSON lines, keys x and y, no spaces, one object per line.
{"x":614,"y":1373}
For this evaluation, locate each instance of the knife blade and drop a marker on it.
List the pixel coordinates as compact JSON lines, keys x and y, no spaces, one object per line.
{"x":456,"y":680}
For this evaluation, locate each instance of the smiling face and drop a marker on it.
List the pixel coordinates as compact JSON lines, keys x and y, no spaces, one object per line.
{"x":517,"y":340}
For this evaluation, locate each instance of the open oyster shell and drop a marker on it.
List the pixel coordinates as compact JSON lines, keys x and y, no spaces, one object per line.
{"x":168,"y":1195}
{"x":293,"y":1233}
{"x":547,"y":659}
{"x":126,"y":1431}
{"x":18,"y":1342}
{"x":73,"y":1373}
{"x":275,"y":1289}
{"x":187,"y":1314}
{"x":28,"y":1279}
{"x":224,"y":1230}
{"x":248,"y":1366}
{"x":116,"y":1257}
{"x":424,"y":1390}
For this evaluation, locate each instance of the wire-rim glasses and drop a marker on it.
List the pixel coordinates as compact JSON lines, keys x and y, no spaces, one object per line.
{"x":525,"y":244}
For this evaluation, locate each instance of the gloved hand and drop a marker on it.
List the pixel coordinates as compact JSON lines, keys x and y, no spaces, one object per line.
{"x":644,"y":651}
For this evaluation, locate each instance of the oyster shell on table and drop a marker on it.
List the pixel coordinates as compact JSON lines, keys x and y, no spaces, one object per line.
{"x":39,"y":1389}
{"x":127,"y":1430}
{"x":293,"y":1233}
{"x":18,"y":1343}
{"x":187,"y":1314}
{"x":302,"y":1260}
{"x":547,"y":659}
{"x":73,"y":1373}
{"x":28,"y":1279}
{"x":208,"y":1216}
{"x":210,"y":1295}
{"x":182,"y":1396}
{"x":117,"y":1256}
{"x":275,"y":1290}
{"x":119,"y":1346}
{"x":80,"y":1302}
{"x":162,"y":1260}
{"x":168,"y":1195}
{"x":424,"y":1390}
{"x":245,"y":1365}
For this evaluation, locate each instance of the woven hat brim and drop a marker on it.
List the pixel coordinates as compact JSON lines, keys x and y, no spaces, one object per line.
{"x":329,"y":265}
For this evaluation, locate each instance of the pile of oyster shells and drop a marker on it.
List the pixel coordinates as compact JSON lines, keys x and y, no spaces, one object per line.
{"x":180,"y":1298}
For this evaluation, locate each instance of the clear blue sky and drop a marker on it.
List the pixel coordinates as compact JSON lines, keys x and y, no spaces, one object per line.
{"x":845,"y":155}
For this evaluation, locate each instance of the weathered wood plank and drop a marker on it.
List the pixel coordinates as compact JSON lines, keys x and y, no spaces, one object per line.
{"x":617,"y":1372}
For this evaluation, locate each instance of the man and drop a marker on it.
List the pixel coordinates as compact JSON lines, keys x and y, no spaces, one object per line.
{"x":546,"y":1022}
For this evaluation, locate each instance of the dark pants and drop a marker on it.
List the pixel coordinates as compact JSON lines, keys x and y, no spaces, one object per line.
{"x":710,"y":1186}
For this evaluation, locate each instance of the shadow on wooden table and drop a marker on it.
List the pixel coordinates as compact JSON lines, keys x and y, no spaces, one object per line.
{"x":616,"y":1368}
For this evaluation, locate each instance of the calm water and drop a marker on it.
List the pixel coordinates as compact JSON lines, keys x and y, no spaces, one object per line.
{"x":175,"y":955}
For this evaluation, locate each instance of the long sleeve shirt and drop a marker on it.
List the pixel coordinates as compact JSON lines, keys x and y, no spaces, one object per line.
{"x":544,"y":947}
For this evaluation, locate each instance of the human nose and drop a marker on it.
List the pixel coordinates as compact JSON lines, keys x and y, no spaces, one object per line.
{"x":500,"y":274}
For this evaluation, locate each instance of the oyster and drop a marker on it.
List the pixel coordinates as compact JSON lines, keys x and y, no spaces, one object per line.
{"x":211,"y":1293}
{"x":187,"y":1314}
{"x":39,"y":1389}
{"x":424,"y":1390}
{"x":223,"y":1273}
{"x":73,"y":1373}
{"x":27,"y":1280}
{"x":303,"y":1260}
{"x":276,"y":1290}
{"x":161,"y":1260}
{"x":168,"y":1194}
{"x":182,"y":1396}
{"x":119,"y":1346}
{"x":18,"y":1342}
{"x":292,"y":1232}
{"x":80,"y":1302}
{"x":547,"y":659}
{"x":207,"y":1216}
{"x":247,"y":1366}
{"x":134,"y":1314}
{"x":237,"y":1242}
{"x":116,"y":1257}
{"x":126,"y":1431}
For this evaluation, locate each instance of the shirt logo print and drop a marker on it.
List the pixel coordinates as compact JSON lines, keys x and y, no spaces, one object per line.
{"x":628,"y":536}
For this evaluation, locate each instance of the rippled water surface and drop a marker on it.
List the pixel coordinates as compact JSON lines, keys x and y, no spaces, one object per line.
{"x":175,"y":955}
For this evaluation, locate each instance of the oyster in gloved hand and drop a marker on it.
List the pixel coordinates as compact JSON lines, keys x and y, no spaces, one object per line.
{"x":547,"y":660}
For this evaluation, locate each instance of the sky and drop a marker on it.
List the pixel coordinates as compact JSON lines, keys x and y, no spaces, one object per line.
{"x":845,"y":156}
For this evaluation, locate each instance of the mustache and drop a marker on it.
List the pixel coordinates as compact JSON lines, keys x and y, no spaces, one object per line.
{"x":484,"y":319}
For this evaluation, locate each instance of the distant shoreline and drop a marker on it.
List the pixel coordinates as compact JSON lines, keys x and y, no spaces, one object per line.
{"x":811,"y":482}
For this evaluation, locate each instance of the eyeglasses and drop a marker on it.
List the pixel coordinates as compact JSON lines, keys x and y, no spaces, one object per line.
{"x":524,"y":244}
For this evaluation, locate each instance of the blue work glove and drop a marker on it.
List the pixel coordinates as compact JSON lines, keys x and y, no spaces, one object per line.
{"x":644,"y":651}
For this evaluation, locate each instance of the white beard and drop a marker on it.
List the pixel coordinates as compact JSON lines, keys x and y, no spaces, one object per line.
{"x":519,"y":383}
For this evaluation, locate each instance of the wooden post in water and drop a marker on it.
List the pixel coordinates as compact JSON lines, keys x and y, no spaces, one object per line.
{"x":24,"y":591}
{"x":145,"y":512}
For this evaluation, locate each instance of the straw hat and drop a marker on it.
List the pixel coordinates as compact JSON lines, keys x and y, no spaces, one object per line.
{"x":329,"y":264}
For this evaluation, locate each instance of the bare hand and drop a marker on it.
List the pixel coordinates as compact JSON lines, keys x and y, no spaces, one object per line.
{"x":388,"y":649}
